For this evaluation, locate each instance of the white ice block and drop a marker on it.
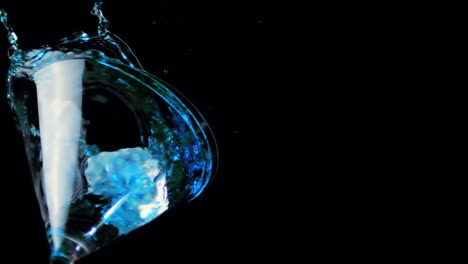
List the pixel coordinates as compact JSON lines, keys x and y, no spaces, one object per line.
{"x":59,"y":93}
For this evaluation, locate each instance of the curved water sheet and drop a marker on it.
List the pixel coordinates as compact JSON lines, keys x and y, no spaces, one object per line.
{"x":110,"y":146}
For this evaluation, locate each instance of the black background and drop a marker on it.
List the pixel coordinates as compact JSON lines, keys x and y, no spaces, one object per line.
{"x":223,"y":56}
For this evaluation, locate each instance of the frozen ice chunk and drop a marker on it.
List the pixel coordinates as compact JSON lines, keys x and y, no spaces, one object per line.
{"x":132,"y":179}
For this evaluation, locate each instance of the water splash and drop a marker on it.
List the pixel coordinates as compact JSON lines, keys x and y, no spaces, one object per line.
{"x":103,"y":27}
{"x":99,"y":177}
{"x":103,"y":32}
{"x":12,"y":37}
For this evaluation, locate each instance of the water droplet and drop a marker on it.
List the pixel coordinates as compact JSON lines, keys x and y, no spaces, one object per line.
{"x":3,"y":16}
{"x":84,"y":36}
{"x":12,"y":38}
{"x":166,"y":71}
